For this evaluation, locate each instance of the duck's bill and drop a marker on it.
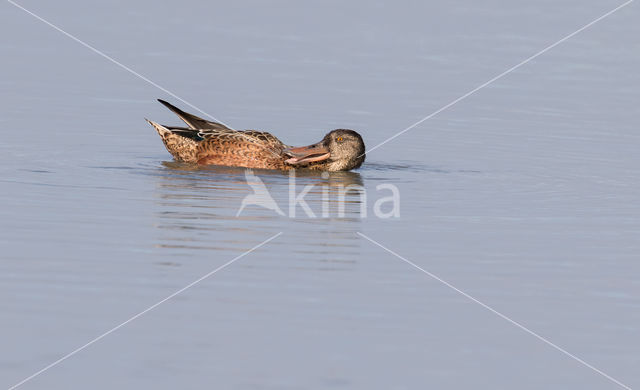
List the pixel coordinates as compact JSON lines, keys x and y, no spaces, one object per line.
{"x":307,"y":154}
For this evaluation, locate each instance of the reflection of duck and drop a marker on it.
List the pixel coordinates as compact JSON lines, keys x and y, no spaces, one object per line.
{"x":260,"y":196}
{"x":210,"y":143}
{"x":204,"y":173}
{"x":192,"y":195}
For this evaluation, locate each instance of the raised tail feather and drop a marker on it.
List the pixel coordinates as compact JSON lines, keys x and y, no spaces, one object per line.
{"x":191,"y":120}
{"x":180,"y":142}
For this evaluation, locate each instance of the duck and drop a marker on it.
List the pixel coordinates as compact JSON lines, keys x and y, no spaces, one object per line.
{"x":204,"y":142}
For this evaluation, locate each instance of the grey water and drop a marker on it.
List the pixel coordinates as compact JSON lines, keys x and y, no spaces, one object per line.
{"x":525,"y":196}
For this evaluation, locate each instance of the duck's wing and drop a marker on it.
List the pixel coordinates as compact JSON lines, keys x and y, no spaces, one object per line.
{"x":194,"y":122}
{"x":251,"y":149}
{"x":262,"y":139}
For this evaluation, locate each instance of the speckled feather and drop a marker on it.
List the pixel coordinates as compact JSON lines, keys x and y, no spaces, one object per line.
{"x":211,"y":143}
{"x":250,"y":149}
{"x":224,"y":146}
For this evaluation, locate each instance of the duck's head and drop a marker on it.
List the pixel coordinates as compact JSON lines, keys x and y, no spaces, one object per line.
{"x":339,"y":150}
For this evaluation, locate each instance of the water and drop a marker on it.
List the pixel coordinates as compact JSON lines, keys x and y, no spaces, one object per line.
{"x":524,"y":195}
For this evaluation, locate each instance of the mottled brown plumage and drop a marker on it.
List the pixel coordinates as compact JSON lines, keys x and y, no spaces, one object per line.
{"x":210,"y":143}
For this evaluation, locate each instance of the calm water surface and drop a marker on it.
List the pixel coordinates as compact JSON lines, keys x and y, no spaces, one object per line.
{"x":525,"y":196}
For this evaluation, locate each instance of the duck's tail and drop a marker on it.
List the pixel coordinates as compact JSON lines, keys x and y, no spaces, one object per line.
{"x":181,"y":147}
{"x":194,"y":122}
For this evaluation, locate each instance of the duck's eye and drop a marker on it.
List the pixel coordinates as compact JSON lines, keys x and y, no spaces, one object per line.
{"x":339,"y":139}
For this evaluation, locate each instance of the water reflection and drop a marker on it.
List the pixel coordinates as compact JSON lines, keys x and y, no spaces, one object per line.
{"x":197,"y":207}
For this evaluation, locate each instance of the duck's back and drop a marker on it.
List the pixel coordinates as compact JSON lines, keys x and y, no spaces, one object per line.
{"x":249,"y":149}
{"x":206,"y":142}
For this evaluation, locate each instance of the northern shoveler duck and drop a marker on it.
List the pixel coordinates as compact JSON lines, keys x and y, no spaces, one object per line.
{"x":211,"y":143}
